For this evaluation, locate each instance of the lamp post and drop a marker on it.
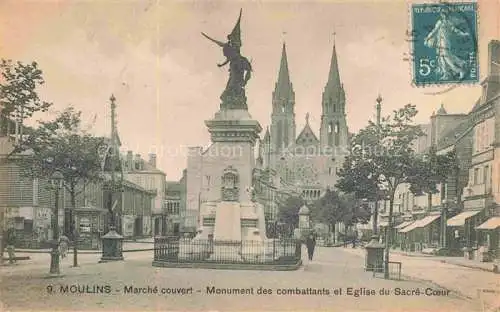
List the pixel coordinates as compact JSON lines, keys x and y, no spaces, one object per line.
{"x":56,"y":181}
{"x":444,"y":212}
{"x":388,"y":231}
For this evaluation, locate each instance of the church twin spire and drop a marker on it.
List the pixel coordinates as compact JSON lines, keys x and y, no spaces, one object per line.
{"x":283,"y":95}
{"x":333,"y":95}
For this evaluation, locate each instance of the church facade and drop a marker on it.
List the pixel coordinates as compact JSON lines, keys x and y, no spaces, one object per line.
{"x":307,"y":161}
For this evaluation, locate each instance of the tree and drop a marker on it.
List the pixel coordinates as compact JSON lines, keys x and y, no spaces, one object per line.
{"x":61,"y":145}
{"x":358,"y":212}
{"x":332,"y":208}
{"x":386,"y":149}
{"x":361,"y":182}
{"x":289,"y":211}
{"x":432,"y":169}
{"x":19,"y":98}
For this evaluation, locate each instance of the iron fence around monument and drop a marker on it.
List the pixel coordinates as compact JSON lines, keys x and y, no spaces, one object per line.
{"x":185,"y":250}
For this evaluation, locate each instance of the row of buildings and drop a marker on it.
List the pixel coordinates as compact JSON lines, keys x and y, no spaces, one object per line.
{"x":465,"y":214}
{"x":147,"y":204}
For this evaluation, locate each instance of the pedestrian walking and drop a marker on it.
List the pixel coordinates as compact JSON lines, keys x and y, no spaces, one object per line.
{"x":11,"y":241}
{"x":63,"y":246}
{"x":310,"y":244}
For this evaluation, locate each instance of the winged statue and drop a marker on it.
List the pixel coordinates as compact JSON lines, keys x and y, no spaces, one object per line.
{"x":240,"y":69}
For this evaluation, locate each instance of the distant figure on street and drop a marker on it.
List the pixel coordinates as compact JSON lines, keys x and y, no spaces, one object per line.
{"x":11,"y":241}
{"x":354,"y":237}
{"x":310,"y":244}
{"x":63,"y":245}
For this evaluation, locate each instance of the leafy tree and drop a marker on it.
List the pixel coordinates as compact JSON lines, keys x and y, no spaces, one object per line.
{"x":61,"y":145}
{"x":432,"y":169}
{"x":387,"y":150}
{"x":19,"y":98}
{"x":357,"y":213}
{"x":331,"y":208}
{"x":289,"y":211}
{"x":361,"y":182}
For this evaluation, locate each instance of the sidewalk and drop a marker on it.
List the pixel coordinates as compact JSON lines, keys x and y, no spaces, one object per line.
{"x":465,"y":282}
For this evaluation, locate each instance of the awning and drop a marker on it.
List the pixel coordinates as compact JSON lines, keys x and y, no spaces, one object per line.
{"x":490,"y":224}
{"x":459,"y":220}
{"x":409,"y":227}
{"x":427,"y":220}
{"x":402,"y":225}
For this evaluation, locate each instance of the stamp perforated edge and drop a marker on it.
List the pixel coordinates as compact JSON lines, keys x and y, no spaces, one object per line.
{"x":447,"y":85}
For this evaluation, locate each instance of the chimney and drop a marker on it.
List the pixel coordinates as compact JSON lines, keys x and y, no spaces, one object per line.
{"x":130,"y":160}
{"x":152,"y":160}
{"x":138,"y":162}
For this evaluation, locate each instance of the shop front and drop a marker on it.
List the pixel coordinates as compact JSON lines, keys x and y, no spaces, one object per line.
{"x":464,"y":235}
{"x":490,"y":232}
{"x":89,"y":222}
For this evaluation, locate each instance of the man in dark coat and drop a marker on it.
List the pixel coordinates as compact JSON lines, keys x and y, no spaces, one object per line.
{"x":310,"y":244}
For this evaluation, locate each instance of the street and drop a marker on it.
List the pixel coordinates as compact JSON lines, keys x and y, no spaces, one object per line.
{"x":333,"y":281}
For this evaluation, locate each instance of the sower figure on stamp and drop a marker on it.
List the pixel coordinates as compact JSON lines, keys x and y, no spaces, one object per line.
{"x":441,"y":38}
{"x":310,"y":244}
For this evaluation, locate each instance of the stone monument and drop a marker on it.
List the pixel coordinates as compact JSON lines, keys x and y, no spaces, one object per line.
{"x":229,"y":214}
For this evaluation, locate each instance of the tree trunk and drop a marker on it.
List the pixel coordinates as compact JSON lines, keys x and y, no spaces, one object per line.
{"x":375,"y":217}
{"x":334,"y":233}
{"x":388,"y":234}
{"x":73,"y":227}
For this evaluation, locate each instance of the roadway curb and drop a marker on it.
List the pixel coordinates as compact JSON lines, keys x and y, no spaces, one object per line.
{"x":224,"y":266}
{"x":468,"y":266}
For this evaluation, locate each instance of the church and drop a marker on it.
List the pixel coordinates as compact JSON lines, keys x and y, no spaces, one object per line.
{"x":284,"y":163}
{"x":306,"y":161}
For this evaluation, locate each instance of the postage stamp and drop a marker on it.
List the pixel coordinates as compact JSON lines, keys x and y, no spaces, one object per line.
{"x":444,"y":37}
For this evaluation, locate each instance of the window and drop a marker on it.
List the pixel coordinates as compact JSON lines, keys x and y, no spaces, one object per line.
{"x":486,"y":175}
{"x":337,"y":134}
{"x":334,"y":108}
{"x":476,"y":176}
{"x":283,"y":108}
{"x":330,"y":171}
{"x":330,"y":129}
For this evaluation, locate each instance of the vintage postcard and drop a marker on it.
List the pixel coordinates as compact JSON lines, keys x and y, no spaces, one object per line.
{"x":164,"y":155}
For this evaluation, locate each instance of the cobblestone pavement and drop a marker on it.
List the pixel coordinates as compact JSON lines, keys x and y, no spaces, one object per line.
{"x":480,"y":285}
{"x":26,"y":287}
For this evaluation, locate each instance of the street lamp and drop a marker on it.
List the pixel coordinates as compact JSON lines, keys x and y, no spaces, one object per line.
{"x":444,"y":211}
{"x":56,"y":182}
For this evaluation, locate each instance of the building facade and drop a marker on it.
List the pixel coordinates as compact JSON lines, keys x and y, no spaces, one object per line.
{"x":307,"y":161}
{"x":146,"y":175}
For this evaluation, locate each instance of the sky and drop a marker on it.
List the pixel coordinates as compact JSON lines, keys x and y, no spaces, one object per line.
{"x":163,"y":73}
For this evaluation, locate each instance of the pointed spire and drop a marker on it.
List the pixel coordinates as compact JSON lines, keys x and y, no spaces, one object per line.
{"x":267,"y":136}
{"x":307,"y":118}
{"x":334,"y":75}
{"x":284,"y":88}
{"x":115,"y":138}
{"x":284,"y":75}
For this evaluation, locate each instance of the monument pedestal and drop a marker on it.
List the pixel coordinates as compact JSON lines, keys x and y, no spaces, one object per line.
{"x":230,"y":216}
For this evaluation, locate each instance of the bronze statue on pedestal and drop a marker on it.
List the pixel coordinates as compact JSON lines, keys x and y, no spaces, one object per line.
{"x":240,"y":70}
